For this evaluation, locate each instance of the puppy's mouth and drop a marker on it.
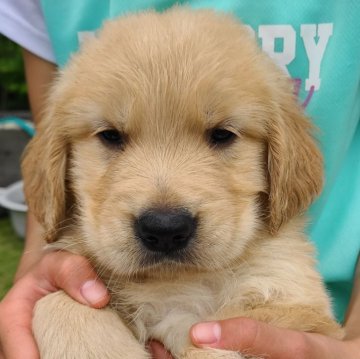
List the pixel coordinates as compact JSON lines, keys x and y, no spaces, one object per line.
{"x":166,"y":236}
{"x":182,"y":258}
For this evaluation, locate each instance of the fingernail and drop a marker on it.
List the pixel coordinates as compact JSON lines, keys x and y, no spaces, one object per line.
{"x":93,"y":291}
{"x":206,"y":333}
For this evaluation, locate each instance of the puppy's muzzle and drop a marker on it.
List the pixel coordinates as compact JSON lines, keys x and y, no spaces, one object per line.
{"x":165,"y":231}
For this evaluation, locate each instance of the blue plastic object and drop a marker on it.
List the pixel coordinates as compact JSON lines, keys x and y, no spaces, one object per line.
{"x":20,"y":123}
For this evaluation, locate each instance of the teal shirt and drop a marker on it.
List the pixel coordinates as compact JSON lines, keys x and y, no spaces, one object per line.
{"x":318,"y":44}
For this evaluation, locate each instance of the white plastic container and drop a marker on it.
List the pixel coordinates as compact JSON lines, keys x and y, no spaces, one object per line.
{"x":12,"y":198}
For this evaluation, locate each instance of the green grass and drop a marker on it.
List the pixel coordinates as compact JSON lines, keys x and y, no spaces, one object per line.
{"x":11,"y":247}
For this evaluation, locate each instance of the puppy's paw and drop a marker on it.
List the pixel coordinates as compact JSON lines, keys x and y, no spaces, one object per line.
{"x":65,"y":329}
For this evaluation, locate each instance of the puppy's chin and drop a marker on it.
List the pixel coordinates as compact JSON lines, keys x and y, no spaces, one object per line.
{"x":161,"y":265}
{"x":184,"y":258}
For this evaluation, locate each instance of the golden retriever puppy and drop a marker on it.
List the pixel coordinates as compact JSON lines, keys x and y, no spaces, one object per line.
{"x":174,"y":156}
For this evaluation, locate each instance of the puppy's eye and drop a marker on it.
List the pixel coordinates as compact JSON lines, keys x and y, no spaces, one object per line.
{"x":221,"y":137}
{"x":111,"y":138}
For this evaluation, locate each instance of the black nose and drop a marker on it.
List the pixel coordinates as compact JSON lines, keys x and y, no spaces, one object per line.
{"x":165,"y":230}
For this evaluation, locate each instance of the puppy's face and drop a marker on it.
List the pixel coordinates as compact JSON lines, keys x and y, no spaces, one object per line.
{"x":175,"y":178}
{"x":160,"y":140}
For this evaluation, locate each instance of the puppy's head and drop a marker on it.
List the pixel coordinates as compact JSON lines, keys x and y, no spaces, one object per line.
{"x":171,"y":139}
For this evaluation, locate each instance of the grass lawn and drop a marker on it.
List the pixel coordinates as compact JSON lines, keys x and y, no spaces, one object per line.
{"x":11,"y":247}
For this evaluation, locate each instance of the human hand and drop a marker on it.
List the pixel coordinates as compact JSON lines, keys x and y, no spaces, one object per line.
{"x":257,"y":338}
{"x":57,"y":270}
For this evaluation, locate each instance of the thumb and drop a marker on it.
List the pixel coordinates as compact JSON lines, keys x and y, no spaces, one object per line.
{"x":257,"y":338}
{"x":74,"y":275}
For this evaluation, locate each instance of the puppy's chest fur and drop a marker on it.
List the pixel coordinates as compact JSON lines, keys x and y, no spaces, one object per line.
{"x":166,"y":309}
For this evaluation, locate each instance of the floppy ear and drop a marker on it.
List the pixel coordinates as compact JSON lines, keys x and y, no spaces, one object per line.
{"x":294,"y":163}
{"x":44,"y":167}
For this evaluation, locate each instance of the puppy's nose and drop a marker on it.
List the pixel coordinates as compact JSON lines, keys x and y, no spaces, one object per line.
{"x":165,"y":230}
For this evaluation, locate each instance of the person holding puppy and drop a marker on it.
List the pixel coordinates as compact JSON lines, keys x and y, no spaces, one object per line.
{"x":340,"y":143}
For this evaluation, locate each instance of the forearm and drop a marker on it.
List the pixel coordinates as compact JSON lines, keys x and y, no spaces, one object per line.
{"x":39,"y":76}
{"x":33,"y":246}
{"x":352,"y":321}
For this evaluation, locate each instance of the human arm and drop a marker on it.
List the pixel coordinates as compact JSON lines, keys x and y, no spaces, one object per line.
{"x":39,"y":76}
{"x":41,"y":273}
{"x":352,"y":320}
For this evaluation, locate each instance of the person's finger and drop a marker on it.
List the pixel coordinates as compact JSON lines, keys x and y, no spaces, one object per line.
{"x":257,"y":338}
{"x":158,"y":351}
{"x":16,"y":315}
{"x":75,"y":276}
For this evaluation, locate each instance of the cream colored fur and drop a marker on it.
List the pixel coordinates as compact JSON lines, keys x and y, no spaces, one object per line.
{"x":165,"y":81}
